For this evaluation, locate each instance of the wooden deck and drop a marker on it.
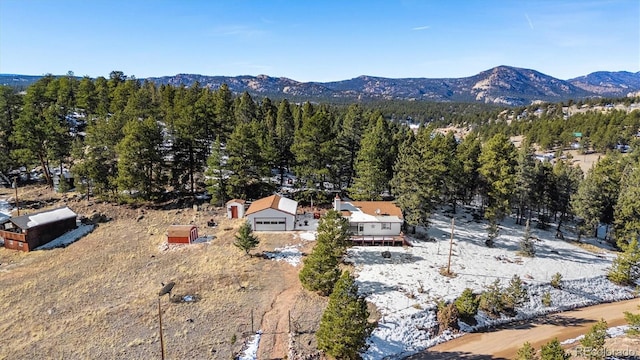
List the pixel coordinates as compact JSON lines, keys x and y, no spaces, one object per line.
{"x":379,"y":240}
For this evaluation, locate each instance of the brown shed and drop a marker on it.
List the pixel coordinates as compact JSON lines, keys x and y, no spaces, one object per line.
{"x":182,"y":234}
{"x":27,"y":232}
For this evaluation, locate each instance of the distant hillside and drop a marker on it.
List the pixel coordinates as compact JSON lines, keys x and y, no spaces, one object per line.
{"x":504,"y":85}
{"x":611,"y":84}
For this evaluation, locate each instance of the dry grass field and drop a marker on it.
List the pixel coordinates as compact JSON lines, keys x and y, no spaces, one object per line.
{"x":98,"y":297}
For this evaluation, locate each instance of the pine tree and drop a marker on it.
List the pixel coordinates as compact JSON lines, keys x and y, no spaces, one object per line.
{"x":344,"y":326}
{"x":625,"y":269}
{"x":497,"y":167}
{"x":553,"y":351}
{"x":370,"y":166}
{"x":139,"y":157}
{"x":447,"y":316}
{"x":314,"y":149}
{"x":245,"y":240}
{"x":244,"y":163}
{"x":527,"y":247}
{"x":284,"y":130}
{"x":492,"y":299}
{"x":633,"y":320}
{"x":217,"y":174}
{"x":349,"y":139}
{"x":526,"y":352}
{"x":467,"y":305}
{"x":627,"y":208}
{"x":320,"y":269}
{"x":525,"y":179}
{"x":515,"y":294}
{"x":468,"y":153}
{"x":594,"y":340}
{"x":333,"y":230}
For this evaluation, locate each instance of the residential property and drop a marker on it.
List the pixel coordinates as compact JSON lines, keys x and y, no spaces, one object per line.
{"x":27,"y":232}
{"x":182,"y":234}
{"x":235,"y":208}
{"x":372,"y":222}
{"x":273,"y":213}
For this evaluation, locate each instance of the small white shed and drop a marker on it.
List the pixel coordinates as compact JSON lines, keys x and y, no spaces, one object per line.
{"x":235,"y":209}
{"x":273,"y":213}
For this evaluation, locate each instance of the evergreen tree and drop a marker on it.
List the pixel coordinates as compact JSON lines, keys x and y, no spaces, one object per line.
{"x":223,"y":109}
{"x":10,"y":103}
{"x":245,"y":239}
{"x":525,"y":179}
{"x":217,"y":174}
{"x":139,"y":157}
{"x":633,"y":320}
{"x":497,"y":167}
{"x":349,"y":139}
{"x":625,"y":269}
{"x":333,"y":230}
{"x":314,"y":149}
{"x":467,"y":304}
{"x":408,"y":184}
{"x":526,"y":352}
{"x":553,"y":351}
{"x":627,"y":208}
{"x":468,"y":153}
{"x":344,"y":326}
{"x":371,"y":162}
{"x":320,"y":269}
{"x":598,"y":193}
{"x":594,"y":340}
{"x":245,"y":165}
{"x":527,"y":247}
{"x":515,"y":294}
{"x":284,"y":131}
{"x":491,"y":299}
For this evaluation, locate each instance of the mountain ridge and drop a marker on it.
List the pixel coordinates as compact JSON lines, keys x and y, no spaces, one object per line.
{"x":504,"y":85}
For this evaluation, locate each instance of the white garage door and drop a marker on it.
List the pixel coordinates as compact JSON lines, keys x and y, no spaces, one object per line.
{"x":270,"y":224}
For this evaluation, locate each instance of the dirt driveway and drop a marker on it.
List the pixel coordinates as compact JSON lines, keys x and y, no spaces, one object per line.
{"x":504,"y":343}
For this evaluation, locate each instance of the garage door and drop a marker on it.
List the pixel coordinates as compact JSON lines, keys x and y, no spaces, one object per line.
{"x":270,"y":224}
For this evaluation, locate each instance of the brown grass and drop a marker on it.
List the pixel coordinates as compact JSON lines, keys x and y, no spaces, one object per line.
{"x":98,"y":298}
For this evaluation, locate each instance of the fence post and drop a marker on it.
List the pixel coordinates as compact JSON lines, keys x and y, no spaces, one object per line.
{"x":252,"y":321}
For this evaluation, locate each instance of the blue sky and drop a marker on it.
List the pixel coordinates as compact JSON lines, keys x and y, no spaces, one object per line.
{"x":318,"y":40}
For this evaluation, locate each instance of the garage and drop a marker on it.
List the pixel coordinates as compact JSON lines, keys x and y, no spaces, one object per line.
{"x":270,"y":224}
{"x":273,"y":213}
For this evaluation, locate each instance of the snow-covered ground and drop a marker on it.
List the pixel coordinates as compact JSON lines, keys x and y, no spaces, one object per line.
{"x":406,"y":286}
{"x":5,"y":208}
{"x":611,"y":332}
{"x":290,"y":254}
{"x":251,"y":350}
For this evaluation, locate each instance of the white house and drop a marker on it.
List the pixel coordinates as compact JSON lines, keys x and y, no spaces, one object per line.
{"x":371,"y":221}
{"x":235,"y":209}
{"x":273,"y":213}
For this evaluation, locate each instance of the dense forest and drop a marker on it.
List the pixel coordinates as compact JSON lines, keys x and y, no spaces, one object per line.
{"x":129,"y":140}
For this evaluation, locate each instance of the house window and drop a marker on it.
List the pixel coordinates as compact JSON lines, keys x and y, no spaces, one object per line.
{"x":360,"y":228}
{"x":19,"y":244}
{"x":386,"y":226}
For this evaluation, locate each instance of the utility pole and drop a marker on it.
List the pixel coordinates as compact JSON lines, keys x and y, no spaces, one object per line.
{"x":450,"y":246}
{"x":161,"y":337}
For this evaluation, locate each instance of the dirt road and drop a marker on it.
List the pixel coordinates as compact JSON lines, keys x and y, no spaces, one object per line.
{"x":504,"y":343}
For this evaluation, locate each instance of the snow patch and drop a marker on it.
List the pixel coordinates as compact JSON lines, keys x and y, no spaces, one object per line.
{"x":251,"y":351}
{"x":309,"y":236}
{"x":290,"y":254}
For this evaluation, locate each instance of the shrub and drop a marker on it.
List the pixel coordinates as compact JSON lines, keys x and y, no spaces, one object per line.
{"x":625,"y":269}
{"x":553,"y":351}
{"x":634,"y":323}
{"x":556,"y":280}
{"x":546,"y":299}
{"x":467,"y":305}
{"x":491,"y":299}
{"x":526,"y":352}
{"x":595,"y":338}
{"x":447,"y":316}
{"x":515,"y":294}
{"x":527,"y":247}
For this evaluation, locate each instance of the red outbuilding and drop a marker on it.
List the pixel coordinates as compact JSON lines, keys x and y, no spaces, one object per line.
{"x":182,"y":234}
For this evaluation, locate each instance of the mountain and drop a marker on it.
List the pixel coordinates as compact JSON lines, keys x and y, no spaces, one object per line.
{"x":611,"y":84}
{"x":503,"y":85}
